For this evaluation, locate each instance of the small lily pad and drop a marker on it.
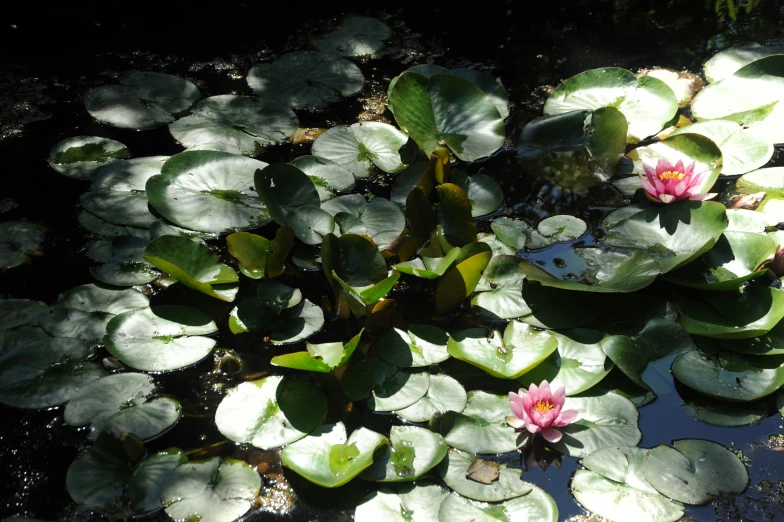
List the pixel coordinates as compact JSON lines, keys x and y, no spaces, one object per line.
{"x":562,"y":227}
{"x":356,"y":36}
{"x":328,"y":177}
{"x":726,"y":62}
{"x":411,"y":453}
{"x":536,"y":505}
{"x":482,"y":427}
{"x":509,"y":484}
{"x":359,"y":147}
{"x":518,"y":234}
{"x":96,"y":225}
{"x":19,"y":240}
{"x":718,"y":412}
{"x":80,"y":156}
{"x":485,"y":194}
{"x":421,"y":345}
{"x":380,"y":220}
{"x":400,"y":391}
{"x":274,"y":294}
{"x":260,"y":257}
{"x":323,"y":357}
{"x":444,"y":394}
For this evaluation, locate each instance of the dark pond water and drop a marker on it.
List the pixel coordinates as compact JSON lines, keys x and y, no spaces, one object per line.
{"x":50,"y":57}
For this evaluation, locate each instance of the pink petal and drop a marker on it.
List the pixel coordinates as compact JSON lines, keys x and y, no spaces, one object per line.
{"x":702,"y":197}
{"x":533,"y":428}
{"x":690,"y":169}
{"x":514,"y":422}
{"x":649,"y":171}
{"x":678,"y":166}
{"x":559,"y":395}
{"x":662,"y":166}
{"x":679,"y":188}
{"x":648,"y":186}
{"x":533,"y":389}
{"x":546,"y":419}
{"x":660,"y":187}
{"x":566,"y":417}
{"x":544,"y":390}
{"x":666,"y":198}
{"x":516,"y":404}
{"x":551,"y":435}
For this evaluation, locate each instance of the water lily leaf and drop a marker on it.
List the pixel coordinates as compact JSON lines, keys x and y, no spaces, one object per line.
{"x":356,"y":36}
{"x":406,"y":181}
{"x":212,"y":490}
{"x":358,"y":147}
{"x":536,"y":505}
{"x":287,"y":327}
{"x":444,"y":394}
{"x":500,"y":289}
{"x":355,"y":259}
{"x":428,"y":267}
{"x":284,"y":188}
{"x":271,"y":412}
{"x":122,"y":400}
{"x":146,"y":483}
{"x":518,"y":234}
{"x":694,"y":471}
{"x":380,"y":220}
{"x":742,"y":149}
{"x":274,"y":294}
{"x":484,"y":193}
{"x":431,"y":110}
{"x":482,"y":427}
{"x":406,"y":502}
{"x":769,"y":180}
{"x":412,"y":452}
{"x":562,"y":227}
{"x":142,"y":100}
{"x":45,"y":373}
{"x":399,"y":391}
{"x":684,"y":84}
{"x":160,"y":339}
{"x":329,"y":458}
{"x":80,"y":156}
{"x":18,"y":241}
{"x":193,"y":264}
{"x":748,"y":313}
{"x":454,"y":471}
{"x":84,"y":312}
{"x":729,"y":376}
{"x":117,"y":192}
{"x":328,"y":177}
{"x":603,"y":421}
{"x":323,"y":357}
{"x":193,"y":181}
{"x":246,"y":123}
{"x":260,"y":257}
{"x":736,"y":257}
{"x":20,"y":312}
{"x":306,"y":79}
{"x":421,"y":345}
{"x":749,"y":96}
{"x":719,"y":412}
{"x":461,"y":279}
{"x":519,"y":350}
{"x":124,"y":265}
{"x":674,"y":234}
{"x":771,"y":343}
{"x":19,"y":336}
{"x":579,"y":363}
{"x":726,"y":62}
{"x":647,"y":103}
{"x":96,"y":225}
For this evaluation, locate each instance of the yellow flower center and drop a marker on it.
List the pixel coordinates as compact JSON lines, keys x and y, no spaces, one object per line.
{"x":543,"y":406}
{"x":671,"y":174}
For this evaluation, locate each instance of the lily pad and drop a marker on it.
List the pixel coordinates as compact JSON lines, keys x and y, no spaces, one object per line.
{"x":329,"y":458}
{"x":212,"y":490}
{"x":323,"y":357}
{"x":271,"y":412}
{"x":718,"y":412}
{"x":380,"y":220}
{"x":406,"y":181}
{"x":726,"y":62}
{"x":122,"y":400}
{"x":421,"y":345}
{"x":328,"y":177}
{"x":208,"y":191}
{"x":694,"y":471}
{"x":484,"y":193}
{"x":290,"y":326}
{"x":406,"y":502}
{"x":19,"y":240}
{"x":260,"y":257}
{"x":358,"y":147}
{"x":356,"y":36}
{"x":444,"y":394}
{"x":509,"y":484}
{"x":562,"y":227}
{"x":96,"y":225}
{"x":400,"y":391}
{"x":482,"y":427}
{"x":21,"y":335}
{"x":274,"y":294}
{"x":149,"y":476}
{"x":142,"y":100}
{"x":461,"y":279}
{"x":536,"y":505}
{"x":20,"y":312}
{"x":80,"y":156}
{"x":772,"y":343}
{"x":306,"y":79}
{"x":518,"y":234}
{"x":428,"y":267}
{"x":412,"y":452}
{"x":684,"y":84}
{"x":160,"y":339}
{"x":123,"y":262}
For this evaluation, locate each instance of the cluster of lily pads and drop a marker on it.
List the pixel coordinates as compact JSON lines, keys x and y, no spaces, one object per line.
{"x":534,"y":298}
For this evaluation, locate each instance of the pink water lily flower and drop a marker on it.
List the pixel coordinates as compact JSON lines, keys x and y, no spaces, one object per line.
{"x":668,"y":183}
{"x":539,"y":410}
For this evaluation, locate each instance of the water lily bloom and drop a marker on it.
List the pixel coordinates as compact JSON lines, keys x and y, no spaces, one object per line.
{"x":667,"y":183}
{"x":539,"y":410}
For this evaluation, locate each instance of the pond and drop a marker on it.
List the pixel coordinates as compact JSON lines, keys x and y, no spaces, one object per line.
{"x":385,"y":221}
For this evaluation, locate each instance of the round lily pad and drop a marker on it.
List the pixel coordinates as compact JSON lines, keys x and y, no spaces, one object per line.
{"x":246,"y":123}
{"x":499,"y":292}
{"x":123,"y":262}
{"x":358,"y":147}
{"x":290,"y":326}
{"x":19,"y":336}
{"x":142,"y":100}
{"x":536,"y":505}
{"x":417,"y":501}
{"x":20,"y":312}
{"x":726,"y":62}
{"x":503,"y":483}
{"x":260,"y":257}
{"x":485,"y":194}
{"x":444,"y":394}
{"x":208,"y":191}
{"x":356,"y":36}
{"x":122,"y":400}
{"x":213,"y":490}
{"x":405,"y":181}
{"x":411,"y":453}
{"x":694,"y":471}
{"x":562,"y":227}
{"x":84,"y":311}
{"x":328,"y":177}
{"x":400,"y":391}
{"x":719,"y":412}
{"x":518,"y":234}
{"x":80,"y":156}
{"x":162,"y":338}
{"x":421,"y":345}
{"x":329,"y":458}
{"x":149,"y":476}
{"x":380,"y":220}
{"x":684,"y":84}
{"x":274,"y":294}
{"x":306,"y":79}
{"x":45,"y":373}
{"x":19,"y":240}
{"x":482,"y":427}
{"x":271,"y":412}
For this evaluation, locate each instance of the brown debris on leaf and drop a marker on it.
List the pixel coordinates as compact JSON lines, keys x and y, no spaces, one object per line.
{"x":483,"y":471}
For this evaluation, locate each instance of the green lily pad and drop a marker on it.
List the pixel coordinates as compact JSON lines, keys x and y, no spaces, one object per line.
{"x":380,"y":220}
{"x":431,"y":110}
{"x":20,"y":312}
{"x":328,"y":177}
{"x":123,"y":262}
{"x":290,"y":326}
{"x":400,"y":391}
{"x":428,"y":267}
{"x":160,"y":339}
{"x":647,"y":102}
{"x":771,"y":343}
{"x":274,"y":294}
{"x":96,"y":225}
{"x":284,"y":188}
{"x":684,"y":84}
{"x":260,"y":257}
{"x":421,"y":345}
{"x":729,"y":376}
{"x":193,"y":264}
{"x":80,"y":156}
{"x":146,"y":484}
{"x":122,"y":400}
{"x":84,"y":312}
{"x":246,"y":123}
{"x":323,"y":357}
{"x":519,"y":350}
{"x":694,"y":471}
{"x":271,"y":412}
{"x":509,"y":484}
{"x":482,"y":427}
{"x":45,"y":373}
{"x":719,"y":412}
{"x":726,"y":62}
{"x":412,"y":452}
{"x":19,"y":240}
{"x":356,"y":36}
{"x":416,"y":501}
{"x":461,"y":279}
{"x":19,"y":336}
{"x":406,"y":181}
{"x":364,"y":376}
{"x":577,"y":365}
{"x":484,"y":193}
{"x":500,"y":289}
{"x":208,"y":191}
{"x":212,"y":490}
{"x":329,"y":458}
{"x":518,"y":234}
{"x":562,"y":227}
{"x":306,"y":79}
{"x":744,"y":314}
{"x":358,"y":265}
{"x":536,"y":505}
{"x":769,"y":180}
{"x":358,"y":147}
{"x":444,"y":394}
